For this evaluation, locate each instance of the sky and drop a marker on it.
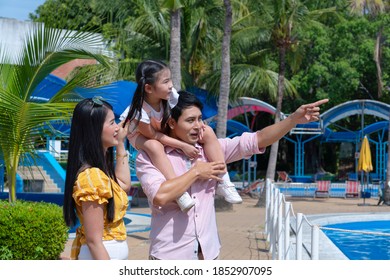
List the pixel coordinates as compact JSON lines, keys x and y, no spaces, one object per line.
{"x":18,"y":9}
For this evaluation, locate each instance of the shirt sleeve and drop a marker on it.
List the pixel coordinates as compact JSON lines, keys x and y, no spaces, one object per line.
{"x":134,"y":124}
{"x":148,"y":175}
{"x":92,"y":185}
{"x":124,"y":114}
{"x":240,"y":147}
{"x":144,"y":117}
{"x":173,"y":98}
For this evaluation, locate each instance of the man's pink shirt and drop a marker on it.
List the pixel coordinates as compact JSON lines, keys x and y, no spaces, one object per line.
{"x":175,"y":235}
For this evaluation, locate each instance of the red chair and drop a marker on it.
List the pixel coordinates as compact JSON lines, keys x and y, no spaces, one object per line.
{"x":133,"y":197}
{"x":352,"y":189}
{"x":322,"y":189}
{"x":283,"y":176}
{"x":257,"y":187}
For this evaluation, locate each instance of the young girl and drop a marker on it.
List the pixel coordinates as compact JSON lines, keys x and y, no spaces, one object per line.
{"x":148,"y":113}
{"x":95,"y":189}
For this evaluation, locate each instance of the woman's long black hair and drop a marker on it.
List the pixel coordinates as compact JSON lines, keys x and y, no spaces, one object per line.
{"x":86,"y":150}
{"x":146,"y":73}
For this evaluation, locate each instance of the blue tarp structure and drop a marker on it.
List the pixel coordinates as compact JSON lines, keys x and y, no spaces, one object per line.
{"x":233,"y":128}
{"x":120,"y":94}
{"x":209,"y":102}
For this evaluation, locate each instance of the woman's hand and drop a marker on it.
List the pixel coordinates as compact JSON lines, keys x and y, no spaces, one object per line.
{"x":122,"y":132}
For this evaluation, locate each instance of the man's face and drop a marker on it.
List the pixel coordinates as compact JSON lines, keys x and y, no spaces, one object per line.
{"x":188,"y":126}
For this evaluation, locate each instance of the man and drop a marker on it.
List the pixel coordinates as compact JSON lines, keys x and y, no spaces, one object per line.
{"x":193,"y":235}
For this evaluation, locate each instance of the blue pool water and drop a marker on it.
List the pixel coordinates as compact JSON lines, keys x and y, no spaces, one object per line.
{"x":358,"y":246}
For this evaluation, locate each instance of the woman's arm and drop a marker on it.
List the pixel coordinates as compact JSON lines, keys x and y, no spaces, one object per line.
{"x":122,"y":169}
{"x":93,"y":214}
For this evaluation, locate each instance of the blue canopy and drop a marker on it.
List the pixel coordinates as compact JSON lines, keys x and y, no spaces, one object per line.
{"x":119,"y":94}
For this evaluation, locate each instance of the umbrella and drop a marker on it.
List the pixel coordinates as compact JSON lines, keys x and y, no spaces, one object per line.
{"x":365,"y":162}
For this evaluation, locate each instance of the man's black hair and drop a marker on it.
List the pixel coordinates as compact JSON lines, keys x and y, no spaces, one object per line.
{"x":186,"y":100}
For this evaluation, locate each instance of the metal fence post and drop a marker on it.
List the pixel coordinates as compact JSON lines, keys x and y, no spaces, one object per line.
{"x":267,"y":206}
{"x":287,"y":230}
{"x":280,"y":227}
{"x":299,"y":236}
{"x":274,"y":223}
{"x":315,"y":236}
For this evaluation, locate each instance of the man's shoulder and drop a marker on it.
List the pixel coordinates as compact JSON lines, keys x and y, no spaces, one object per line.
{"x":142,"y":156}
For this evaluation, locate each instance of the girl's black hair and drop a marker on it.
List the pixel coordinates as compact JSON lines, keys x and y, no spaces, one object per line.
{"x":86,"y":150}
{"x":146,"y":73}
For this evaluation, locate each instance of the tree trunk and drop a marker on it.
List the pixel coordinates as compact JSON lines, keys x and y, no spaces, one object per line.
{"x":275,"y":146}
{"x":273,"y":156}
{"x":386,"y":193}
{"x":175,"y":51}
{"x":377,"y":59}
{"x":224,"y":90}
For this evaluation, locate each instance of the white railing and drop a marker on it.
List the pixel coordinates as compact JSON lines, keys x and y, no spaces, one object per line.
{"x":278,"y":230}
{"x":281,"y":231}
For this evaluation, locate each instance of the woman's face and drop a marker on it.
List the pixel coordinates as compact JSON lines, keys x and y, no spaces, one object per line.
{"x":110,"y":131}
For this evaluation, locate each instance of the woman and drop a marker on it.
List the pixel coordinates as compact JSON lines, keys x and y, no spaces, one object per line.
{"x":95,"y":188}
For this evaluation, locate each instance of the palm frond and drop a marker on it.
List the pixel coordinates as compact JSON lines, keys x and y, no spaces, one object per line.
{"x":251,"y":81}
{"x":25,"y":121}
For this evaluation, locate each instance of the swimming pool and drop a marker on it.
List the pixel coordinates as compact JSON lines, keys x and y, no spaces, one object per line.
{"x":359,"y":246}
{"x":337,"y":247}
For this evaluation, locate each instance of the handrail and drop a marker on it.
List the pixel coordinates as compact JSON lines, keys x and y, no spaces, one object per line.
{"x":282,"y":231}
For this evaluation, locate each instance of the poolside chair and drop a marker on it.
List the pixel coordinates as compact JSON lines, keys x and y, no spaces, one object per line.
{"x":352,"y":189}
{"x":133,"y":197}
{"x":254,"y":189}
{"x":283,"y":176}
{"x":322,"y":189}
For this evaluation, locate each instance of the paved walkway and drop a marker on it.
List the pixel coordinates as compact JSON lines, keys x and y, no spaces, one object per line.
{"x":241,"y":229}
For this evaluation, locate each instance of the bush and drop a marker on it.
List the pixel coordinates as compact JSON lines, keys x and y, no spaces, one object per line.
{"x":31,"y":231}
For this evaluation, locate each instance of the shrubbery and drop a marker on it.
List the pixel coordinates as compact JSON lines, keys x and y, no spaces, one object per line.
{"x":31,"y":231}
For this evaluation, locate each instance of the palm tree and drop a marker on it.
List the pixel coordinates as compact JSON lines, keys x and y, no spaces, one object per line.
{"x":386,"y":196}
{"x":225,"y":72}
{"x":286,"y":19}
{"x":190,"y":41}
{"x":23,"y":118}
{"x":252,"y":73}
{"x":374,"y":8}
{"x":149,"y":27}
{"x":201,"y":38}
{"x":175,"y":52}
